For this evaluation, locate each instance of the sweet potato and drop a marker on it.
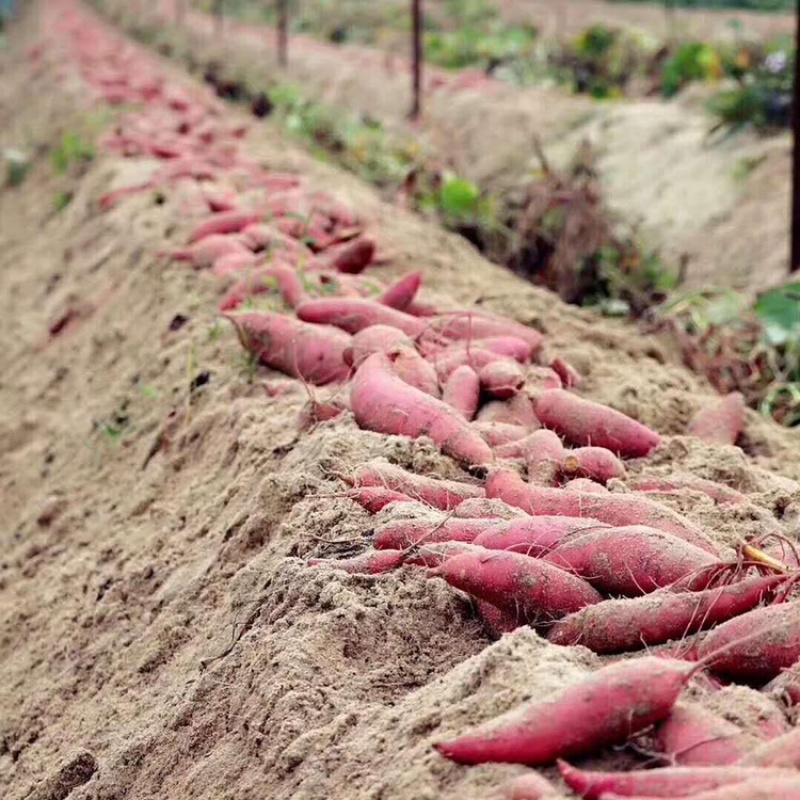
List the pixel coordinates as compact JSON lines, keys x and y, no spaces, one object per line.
{"x":508,"y":346}
{"x":402,"y":292}
{"x":528,"y":587}
{"x":584,"y":485}
{"x":502,"y":379}
{"x":412,"y":368}
{"x":311,"y":352}
{"x":720,"y":422}
{"x":765,"y":787}
{"x":462,"y":391}
{"x":534,"y":536}
{"x":677,"y":483}
{"x":204,"y":253}
{"x":784,"y":751}
{"x":516,"y":411}
{"x":261,"y":236}
{"x":496,"y":434}
{"x":597,"y":463}
{"x":544,"y":457}
{"x":375,"y":339}
{"x":496,"y":620}
{"x":233,"y":263}
{"x":540,"y":379}
{"x":372,"y":562}
{"x":615,"y":626}
{"x":615,"y":509}
{"x":479,"y":325}
{"x":355,"y":314}
{"x":786,"y":687}
{"x":350,"y":257}
{"x":315,"y":411}
{"x":756,"y":646}
{"x":447,"y":361}
{"x":224,"y":223}
{"x":408,"y":532}
{"x":570,"y":377}
{"x":630,"y":560}
{"x":582,"y":422}
{"x":693,"y":737}
{"x":260,"y":281}
{"x":666,"y":782}
{"x":375,"y":498}
{"x":481,"y":508}
{"x":442,"y":494}
{"x":382,"y":402}
{"x":601,"y":710}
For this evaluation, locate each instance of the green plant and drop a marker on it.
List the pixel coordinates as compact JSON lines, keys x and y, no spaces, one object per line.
{"x":71,"y":150}
{"x":62,"y":200}
{"x":17,"y":165}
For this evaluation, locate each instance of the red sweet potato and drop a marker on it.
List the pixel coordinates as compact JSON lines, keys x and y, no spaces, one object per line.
{"x":479,"y":325}
{"x":371,"y":562}
{"x":375,"y":498}
{"x":408,"y":532}
{"x":442,"y":494}
{"x":350,"y":257}
{"x":462,"y":391}
{"x":496,"y":620}
{"x":765,"y":787}
{"x":260,"y":281}
{"x":786,"y":687}
{"x":693,"y":737}
{"x":597,"y":463}
{"x":784,"y":751}
{"x":261,"y":236}
{"x":584,"y":485}
{"x":677,"y":483}
{"x":534,"y":536}
{"x":720,"y":422}
{"x":666,"y":782}
{"x":382,"y":402}
{"x":528,"y":587}
{"x":615,"y":626}
{"x":508,"y":346}
{"x":544,"y":457}
{"x":312,"y":352}
{"x":224,"y":223}
{"x":314,"y":411}
{"x":447,"y":361}
{"x":496,"y":434}
{"x":540,"y":379}
{"x":481,"y":508}
{"x":570,"y":377}
{"x":631,"y":560}
{"x":582,"y":422}
{"x":412,"y":368}
{"x":355,"y":314}
{"x":502,"y":379}
{"x":615,"y":509}
{"x":756,"y":646}
{"x":605,"y":708}
{"x":516,"y":411}
{"x":376,"y":339}
{"x":402,"y":292}
{"x":234,"y":263}
{"x":204,"y":253}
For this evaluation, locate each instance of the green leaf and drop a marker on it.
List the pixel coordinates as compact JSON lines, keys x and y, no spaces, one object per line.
{"x":458,"y":196}
{"x":779,"y":312}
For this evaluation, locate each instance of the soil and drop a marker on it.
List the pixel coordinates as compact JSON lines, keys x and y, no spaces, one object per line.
{"x":160,"y":632}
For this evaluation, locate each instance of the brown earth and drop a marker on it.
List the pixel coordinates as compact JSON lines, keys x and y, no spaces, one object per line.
{"x":160,"y":634}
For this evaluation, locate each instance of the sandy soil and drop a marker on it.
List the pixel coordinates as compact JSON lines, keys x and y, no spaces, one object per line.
{"x":160,"y":634}
{"x":716,"y":201}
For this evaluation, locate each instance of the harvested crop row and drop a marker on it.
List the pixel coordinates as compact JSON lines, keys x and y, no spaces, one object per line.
{"x":539,"y":552}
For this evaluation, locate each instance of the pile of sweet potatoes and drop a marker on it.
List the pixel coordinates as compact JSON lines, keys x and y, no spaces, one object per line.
{"x":542,"y":530}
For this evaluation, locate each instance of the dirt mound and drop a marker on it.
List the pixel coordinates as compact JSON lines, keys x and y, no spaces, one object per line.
{"x":160,"y":633}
